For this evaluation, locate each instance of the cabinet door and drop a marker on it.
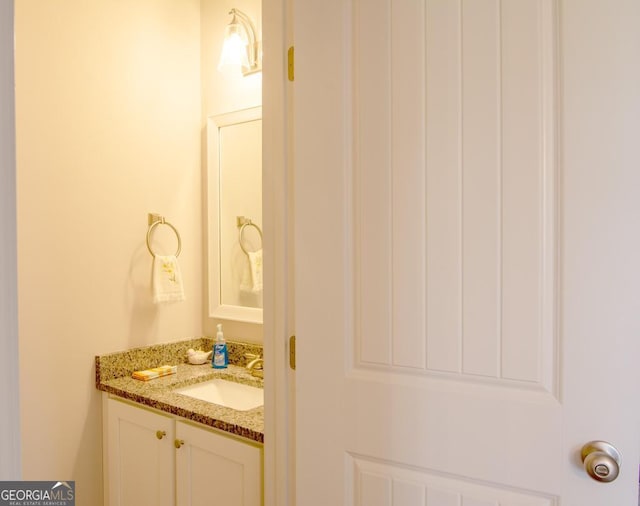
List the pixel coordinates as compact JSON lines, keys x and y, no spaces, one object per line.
{"x":215,"y":469}
{"x":141,"y":457}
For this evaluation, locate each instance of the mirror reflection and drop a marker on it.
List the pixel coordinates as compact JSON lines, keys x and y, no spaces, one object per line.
{"x":235,"y":213}
{"x":241,"y":214}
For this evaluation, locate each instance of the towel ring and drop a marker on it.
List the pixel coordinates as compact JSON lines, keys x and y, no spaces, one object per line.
{"x":246,"y":224}
{"x":162,"y":221}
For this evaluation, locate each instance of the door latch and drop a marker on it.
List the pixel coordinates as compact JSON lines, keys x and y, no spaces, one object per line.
{"x":290,"y":64}
{"x":292,"y":352}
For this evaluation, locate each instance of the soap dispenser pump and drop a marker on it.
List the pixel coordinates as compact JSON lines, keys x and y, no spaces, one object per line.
{"x":220,"y":356}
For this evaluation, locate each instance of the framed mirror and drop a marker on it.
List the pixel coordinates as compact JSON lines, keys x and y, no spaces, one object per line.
{"x":234,"y":215}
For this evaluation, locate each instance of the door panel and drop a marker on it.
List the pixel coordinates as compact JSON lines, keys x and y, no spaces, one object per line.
{"x":462,"y":168}
{"x":454,"y":187}
{"x":387,"y":484}
{"x":141,"y":464}
{"x":213,"y":468}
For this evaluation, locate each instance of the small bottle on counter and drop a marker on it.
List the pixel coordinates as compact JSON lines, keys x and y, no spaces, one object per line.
{"x":220,"y":358}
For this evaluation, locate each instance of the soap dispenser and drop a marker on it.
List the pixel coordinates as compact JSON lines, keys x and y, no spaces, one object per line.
{"x":220,"y":358}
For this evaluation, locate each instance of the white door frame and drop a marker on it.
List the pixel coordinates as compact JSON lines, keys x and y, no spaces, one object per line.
{"x":279,"y":467}
{"x":10,"y":462}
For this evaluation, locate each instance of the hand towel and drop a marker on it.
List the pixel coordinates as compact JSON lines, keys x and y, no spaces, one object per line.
{"x":167,"y":280}
{"x":255,"y":264}
{"x":156,"y":372}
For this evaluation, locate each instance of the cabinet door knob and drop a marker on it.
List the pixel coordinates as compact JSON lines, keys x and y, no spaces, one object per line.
{"x":160,"y":434}
{"x":178,"y":443}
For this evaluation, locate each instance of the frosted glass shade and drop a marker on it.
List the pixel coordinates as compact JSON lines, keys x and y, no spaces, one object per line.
{"x":234,"y":49}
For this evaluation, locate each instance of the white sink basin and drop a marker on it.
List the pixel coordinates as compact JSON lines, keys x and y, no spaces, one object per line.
{"x":225,"y":393}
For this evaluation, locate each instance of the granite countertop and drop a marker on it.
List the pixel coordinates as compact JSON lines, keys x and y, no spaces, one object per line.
{"x":113,"y":375}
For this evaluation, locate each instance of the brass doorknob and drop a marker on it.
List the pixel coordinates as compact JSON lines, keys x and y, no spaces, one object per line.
{"x":178,"y":443}
{"x":601,"y":460}
{"x":160,"y":434}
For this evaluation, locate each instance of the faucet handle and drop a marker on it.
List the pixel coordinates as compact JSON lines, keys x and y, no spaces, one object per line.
{"x":256,"y":363}
{"x":255,"y":366}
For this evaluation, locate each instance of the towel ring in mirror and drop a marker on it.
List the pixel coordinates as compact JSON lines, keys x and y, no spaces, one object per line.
{"x":245,"y":224}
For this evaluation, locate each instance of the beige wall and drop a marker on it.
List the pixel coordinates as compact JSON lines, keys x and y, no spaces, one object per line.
{"x":108,"y":129}
{"x":223,"y":93}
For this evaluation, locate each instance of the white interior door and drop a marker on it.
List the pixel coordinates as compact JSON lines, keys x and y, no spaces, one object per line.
{"x":467,"y":276}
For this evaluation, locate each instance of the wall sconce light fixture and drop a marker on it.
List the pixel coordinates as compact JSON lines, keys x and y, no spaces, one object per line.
{"x":240,"y":47}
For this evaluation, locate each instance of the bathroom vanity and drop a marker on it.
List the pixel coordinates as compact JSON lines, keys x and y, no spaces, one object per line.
{"x":167,"y":448}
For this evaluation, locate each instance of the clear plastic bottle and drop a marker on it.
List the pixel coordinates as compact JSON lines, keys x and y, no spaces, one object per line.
{"x":220,"y":358}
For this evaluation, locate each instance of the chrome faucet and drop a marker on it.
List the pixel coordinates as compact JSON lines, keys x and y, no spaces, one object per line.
{"x":255,"y":365}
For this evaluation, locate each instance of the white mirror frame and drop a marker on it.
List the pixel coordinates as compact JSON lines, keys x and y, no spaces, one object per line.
{"x":215,"y":307}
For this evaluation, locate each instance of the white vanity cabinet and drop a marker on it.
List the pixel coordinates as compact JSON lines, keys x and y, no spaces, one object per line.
{"x":139,"y":456}
{"x":156,"y":459}
{"x":215,"y":469}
